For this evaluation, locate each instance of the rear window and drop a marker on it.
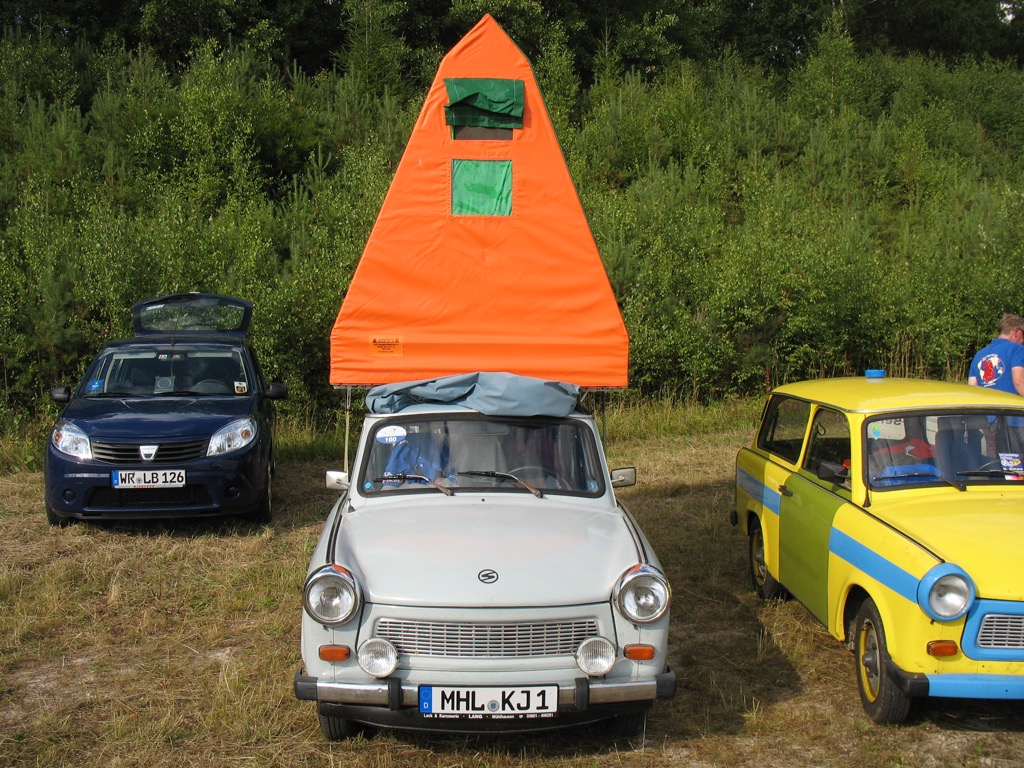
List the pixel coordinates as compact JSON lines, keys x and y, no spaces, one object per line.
{"x":783,"y":427}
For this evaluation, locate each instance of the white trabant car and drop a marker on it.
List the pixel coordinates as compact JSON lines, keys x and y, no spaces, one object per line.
{"x":478,"y":575}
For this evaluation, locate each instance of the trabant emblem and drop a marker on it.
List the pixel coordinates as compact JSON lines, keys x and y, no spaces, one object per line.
{"x":148,"y":452}
{"x":487,"y":576}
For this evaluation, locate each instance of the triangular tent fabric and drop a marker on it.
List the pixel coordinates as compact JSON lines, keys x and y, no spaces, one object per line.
{"x":481,"y":258}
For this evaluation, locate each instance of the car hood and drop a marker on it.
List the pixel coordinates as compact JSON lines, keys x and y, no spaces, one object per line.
{"x":981,"y":531}
{"x":543,"y":551}
{"x":167,"y":417}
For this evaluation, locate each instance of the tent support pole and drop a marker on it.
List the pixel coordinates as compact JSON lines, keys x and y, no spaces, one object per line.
{"x":348,"y":418}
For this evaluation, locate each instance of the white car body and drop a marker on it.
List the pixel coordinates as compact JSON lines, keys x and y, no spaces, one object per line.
{"x":485,"y":594}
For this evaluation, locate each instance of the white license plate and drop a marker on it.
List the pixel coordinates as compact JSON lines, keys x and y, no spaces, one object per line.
{"x":148,"y":478}
{"x":487,"y":701}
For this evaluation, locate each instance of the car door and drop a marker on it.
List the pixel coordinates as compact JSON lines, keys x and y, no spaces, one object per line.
{"x":808,"y":507}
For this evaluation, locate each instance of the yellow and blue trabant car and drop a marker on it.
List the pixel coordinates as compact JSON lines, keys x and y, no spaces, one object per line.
{"x":893,"y":509}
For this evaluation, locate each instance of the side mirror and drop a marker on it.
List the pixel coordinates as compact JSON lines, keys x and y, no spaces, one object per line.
{"x":276,"y":391}
{"x":624,"y":477}
{"x":60,"y":394}
{"x":833,"y":473}
{"x":337,"y":480}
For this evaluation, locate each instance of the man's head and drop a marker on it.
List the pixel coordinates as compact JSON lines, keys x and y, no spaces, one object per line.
{"x":1012,"y":327}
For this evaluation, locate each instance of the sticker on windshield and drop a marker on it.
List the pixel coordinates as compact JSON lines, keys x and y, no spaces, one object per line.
{"x":96,"y":385}
{"x":241,"y":387}
{"x":391,"y":434}
{"x":1012,"y":462}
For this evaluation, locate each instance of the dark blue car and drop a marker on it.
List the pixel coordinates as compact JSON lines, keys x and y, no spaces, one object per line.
{"x":175,"y":422}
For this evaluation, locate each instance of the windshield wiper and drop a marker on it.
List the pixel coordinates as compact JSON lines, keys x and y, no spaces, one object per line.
{"x":503,"y":476}
{"x":114,"y":394}
{"x":928,"y":475}
{"x":990,"y":472}
{"x":403,"y":477}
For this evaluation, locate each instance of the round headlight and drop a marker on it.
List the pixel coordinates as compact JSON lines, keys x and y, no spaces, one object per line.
{"x":378,"y":657}
{"x":595,"y":656}
{"x":643,"y":594}
{"x":945,"y":593}
{"x":331,"y":595}
{"x":70,"y":439}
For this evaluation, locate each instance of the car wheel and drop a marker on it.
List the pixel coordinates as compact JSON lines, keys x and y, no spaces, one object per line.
{"x":629,"y":726}
{"x":337,"y":728}
{"x":764,"y":583}
{"x":56,"y":520}
{"x":265,"y":511}
{"x":882,"y":700}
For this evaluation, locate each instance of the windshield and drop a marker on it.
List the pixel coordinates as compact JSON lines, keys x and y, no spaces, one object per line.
{"x":452,"y":454}
{"x":144,"y":370}
{"x":960,"y":448}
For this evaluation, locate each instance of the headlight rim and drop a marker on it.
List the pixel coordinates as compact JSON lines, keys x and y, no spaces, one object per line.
{"x":345,"y":576}
{"x":629,"y":578}
{"x":928,"y":582}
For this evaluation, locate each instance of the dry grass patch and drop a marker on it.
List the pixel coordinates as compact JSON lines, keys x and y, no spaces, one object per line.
{"x":157,"y":644}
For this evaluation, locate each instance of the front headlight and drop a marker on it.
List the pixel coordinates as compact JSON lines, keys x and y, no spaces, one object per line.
{"x":331,"y":595}
{"x":235,"y":435}
{"x":945,"y":593}
{"x":643,"y":594}
{"x":69,"y":439}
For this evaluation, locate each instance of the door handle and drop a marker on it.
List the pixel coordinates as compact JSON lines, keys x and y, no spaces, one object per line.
{"x":785,"y":491}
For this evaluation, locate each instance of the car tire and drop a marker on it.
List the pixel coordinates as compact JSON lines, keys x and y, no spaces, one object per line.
{"x":629,"y":726}
{"x":337,"y":728}
{"x":56,"y":520}
{"x":265,"y":511}
{"x":764,"y":583}
{"x":884,"y":702}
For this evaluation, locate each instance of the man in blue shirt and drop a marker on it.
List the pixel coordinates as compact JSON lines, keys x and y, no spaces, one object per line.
{"x":1000,"y":365}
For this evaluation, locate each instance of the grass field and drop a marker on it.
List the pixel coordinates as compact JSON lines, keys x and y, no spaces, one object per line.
{"x":176,"y":644}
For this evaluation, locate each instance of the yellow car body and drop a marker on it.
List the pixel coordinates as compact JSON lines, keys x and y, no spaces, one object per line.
{"x":893,"y":509}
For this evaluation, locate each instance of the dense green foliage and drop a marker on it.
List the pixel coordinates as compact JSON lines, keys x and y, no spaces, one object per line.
{"x":848,"y":210}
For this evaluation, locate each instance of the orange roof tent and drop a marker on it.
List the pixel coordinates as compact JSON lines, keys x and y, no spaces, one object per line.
{"x":481,"y":258}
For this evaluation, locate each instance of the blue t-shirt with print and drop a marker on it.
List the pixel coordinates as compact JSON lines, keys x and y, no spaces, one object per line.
{"x":993,"y":365}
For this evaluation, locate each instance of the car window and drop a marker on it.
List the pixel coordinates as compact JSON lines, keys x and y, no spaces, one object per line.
{"x":964,"y":448}
{"x":783,"y":426}
{"x":829,"y":444}
{"x":143,"y":371}
{"x":554,"y":456}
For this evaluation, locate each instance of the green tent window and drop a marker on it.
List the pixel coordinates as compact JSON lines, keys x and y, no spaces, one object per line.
{"x":481,"y":187}
{"x":489,"y":103}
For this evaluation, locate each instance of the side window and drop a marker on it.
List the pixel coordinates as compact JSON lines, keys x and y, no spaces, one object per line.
{"x":783,"y":427}
{"x":829,"y":443}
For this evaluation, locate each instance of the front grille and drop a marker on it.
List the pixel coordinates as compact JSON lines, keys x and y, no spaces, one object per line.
{"x":486,"y":640}
{"x":167,"y":453}
{"x":118,"y":498}
{"x":999,"y":630}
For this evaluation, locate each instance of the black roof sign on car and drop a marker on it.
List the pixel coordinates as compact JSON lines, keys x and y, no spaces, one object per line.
{"x":203,"y":313}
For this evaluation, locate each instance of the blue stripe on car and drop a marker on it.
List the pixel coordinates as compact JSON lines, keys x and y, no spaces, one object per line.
{"x":976,"y":686}
{"x":769,"y":499}
{"x":873,"y":564}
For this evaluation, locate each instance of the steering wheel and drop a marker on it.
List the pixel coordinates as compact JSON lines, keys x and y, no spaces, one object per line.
{"x":537,"y":469}
{"x":211,"y":387}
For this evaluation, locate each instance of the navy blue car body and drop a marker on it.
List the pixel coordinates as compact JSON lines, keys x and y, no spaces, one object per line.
{"x":175,"y":422}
